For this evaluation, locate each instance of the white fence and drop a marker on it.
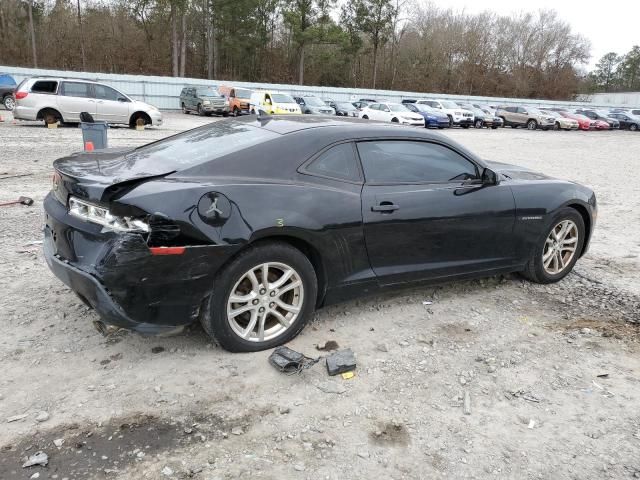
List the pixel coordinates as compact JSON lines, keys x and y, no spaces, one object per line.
{"x":164,"y":92}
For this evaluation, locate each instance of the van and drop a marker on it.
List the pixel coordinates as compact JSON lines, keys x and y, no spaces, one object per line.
{"x":238,"y":98}
{"x":57,"y":99}
{"x":273,"y":103}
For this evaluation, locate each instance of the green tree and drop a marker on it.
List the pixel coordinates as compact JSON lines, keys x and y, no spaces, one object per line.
{"x":605,"y":74}
{"x":630,"y":70}
{"x":375,"y":18}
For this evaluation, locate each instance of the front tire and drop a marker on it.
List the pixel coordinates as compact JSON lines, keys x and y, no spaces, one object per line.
{"x":633,"y":127}
{"x":261,"y":299}
{"x":478,"y":124}
{"x":558,"y":250}
{"x":184,"y":109}
{"x":364,"y":117}
{"x":532,"y":124}
{"x":199,"y":110}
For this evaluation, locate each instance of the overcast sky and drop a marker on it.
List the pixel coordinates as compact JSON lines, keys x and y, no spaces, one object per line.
{"x":611,"y":26}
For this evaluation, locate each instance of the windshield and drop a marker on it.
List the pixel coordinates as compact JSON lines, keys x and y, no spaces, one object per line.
{"x":345,"y":106}
{"x":282,"y":98}
{"x":449,"y":105}
{"x":396,"y":107}
{"x":241,"y":93}
{"x":195,"y":147}
{"x":314,"y":102}
{"x":551,"y":113}
{"x":535,"y":111}
{"x":207,"y":92}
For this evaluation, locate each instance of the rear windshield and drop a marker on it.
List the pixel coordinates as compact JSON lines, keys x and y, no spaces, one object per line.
{"x":197,"y":146}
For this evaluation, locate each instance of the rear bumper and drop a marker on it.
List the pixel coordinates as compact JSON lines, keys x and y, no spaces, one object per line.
{"x":94,"y":294}
{"x":118,"y":276}
{"x":20,"y":112}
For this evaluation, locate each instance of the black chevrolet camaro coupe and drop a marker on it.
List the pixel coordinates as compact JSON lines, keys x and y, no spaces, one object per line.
{"x":249,"y":225}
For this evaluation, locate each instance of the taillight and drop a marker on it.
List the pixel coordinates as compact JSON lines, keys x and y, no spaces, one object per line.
{"x":21,"y":95}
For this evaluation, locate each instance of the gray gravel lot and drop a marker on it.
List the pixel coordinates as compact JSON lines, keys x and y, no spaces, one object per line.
{"x":551,"y":373}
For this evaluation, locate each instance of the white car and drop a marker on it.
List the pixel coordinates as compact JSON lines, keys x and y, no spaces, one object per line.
{"x":392,"y":112}
{"x":62,"y":100}
{"x":456,"y":114}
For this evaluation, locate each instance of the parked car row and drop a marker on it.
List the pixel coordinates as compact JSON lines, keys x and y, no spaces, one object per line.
{"x":60,"y":99}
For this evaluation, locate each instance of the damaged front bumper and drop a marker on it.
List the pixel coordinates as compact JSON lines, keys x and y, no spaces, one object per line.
{"x":118,"y":275}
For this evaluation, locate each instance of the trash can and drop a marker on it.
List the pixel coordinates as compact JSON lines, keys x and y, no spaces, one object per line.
{"x":94,"y":135}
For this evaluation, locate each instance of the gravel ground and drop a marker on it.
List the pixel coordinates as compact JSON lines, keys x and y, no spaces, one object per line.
{"x":496,"y":378}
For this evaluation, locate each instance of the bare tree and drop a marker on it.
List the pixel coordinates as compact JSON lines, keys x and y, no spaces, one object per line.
{"x":183,"y":44}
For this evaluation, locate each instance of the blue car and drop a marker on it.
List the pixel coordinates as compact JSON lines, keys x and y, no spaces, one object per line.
{"x":432,"y":117}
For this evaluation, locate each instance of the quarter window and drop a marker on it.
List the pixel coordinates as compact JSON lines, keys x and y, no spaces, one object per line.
{"x":45,"y":86}
{"x":337,"y":162}
{"x":399,"y":161}
{"x":75,"y":89}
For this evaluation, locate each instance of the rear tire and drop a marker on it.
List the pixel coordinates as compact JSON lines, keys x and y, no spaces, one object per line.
{"x":9,"y":103}
{"x":365,"y":117}
{"x":235,"y":279}
{"x":478,"y":124}
{"x":556,"y":126}
{"x":184,"y":109}
{"x":236,"y":112}
{"x":51,"y":116}
{"x":395,"y":120}
{"x":535,"y":269}
{"x":199,"y":110}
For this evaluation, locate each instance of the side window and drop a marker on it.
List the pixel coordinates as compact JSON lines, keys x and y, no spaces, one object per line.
{"x":337,"y":162}
{"x":45,"y":86}
{"x":375,"y":106}
{"x":511,"y":109}
{"x":76,"y":89}
{"x":394,"y":161}
{"x":522,"y":110}
{"x":106,"y":93}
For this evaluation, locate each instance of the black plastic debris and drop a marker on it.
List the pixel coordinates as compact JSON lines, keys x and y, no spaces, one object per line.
{"x":341,"y":361}
{"x":289,"y":361}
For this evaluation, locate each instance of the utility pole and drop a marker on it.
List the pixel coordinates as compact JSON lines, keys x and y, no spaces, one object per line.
{"x":84,"y":60}
{"x":33,"y":34}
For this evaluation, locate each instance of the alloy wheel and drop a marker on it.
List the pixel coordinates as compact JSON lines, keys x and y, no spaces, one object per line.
{"x":9,"y":103}
{"x":532,"y":125}
{"x":265,"y":302}
{"x":560,"y":247}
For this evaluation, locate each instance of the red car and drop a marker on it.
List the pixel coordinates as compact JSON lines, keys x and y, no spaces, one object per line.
{"x":584,"y":123}
{"x":602,"y":125}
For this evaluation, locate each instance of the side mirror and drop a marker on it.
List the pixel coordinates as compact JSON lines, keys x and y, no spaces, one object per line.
{"x":489,"y":177}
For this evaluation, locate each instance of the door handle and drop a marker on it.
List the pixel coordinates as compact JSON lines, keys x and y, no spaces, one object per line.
{"x":385,"y":207}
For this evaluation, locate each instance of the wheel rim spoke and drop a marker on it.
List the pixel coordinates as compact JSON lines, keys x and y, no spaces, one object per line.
{"x":281,"y":318}
{"x":291,"y":286}
{"x":286,"y":306}
{"x":282,"y":280}
{"x":252,"y":324}
{"x":238,"y":311}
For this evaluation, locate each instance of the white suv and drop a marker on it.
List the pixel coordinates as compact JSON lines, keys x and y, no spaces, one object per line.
{"x":392,"y":112}
{"x":456,"y":114}
{"x":60,"y":99}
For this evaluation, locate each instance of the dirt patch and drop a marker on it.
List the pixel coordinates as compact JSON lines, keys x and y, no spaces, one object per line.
{"x":102,"y":451}
{"x":620,"y":330}
{"x":391,"y":434}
